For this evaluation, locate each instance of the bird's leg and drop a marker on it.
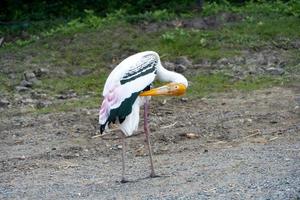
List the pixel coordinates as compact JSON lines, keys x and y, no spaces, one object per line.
{"x":146,"y":129}
{"x":124,"y":180}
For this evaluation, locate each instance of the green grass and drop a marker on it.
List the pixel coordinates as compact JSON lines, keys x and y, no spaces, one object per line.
{"x":260,"y":32}
{"x":90,"y":85}
{"x":92,"y":37}
{"x":95,"y":43}
{"x":5,"y":86}
{"x":201,"y":86}
{"x":195,"y":44}
{"x":204,"y":85}
{"x":70,"y":105}
{"x":81,"y":85}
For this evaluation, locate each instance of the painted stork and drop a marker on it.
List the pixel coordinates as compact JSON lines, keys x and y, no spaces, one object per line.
{"x":128,"y":87}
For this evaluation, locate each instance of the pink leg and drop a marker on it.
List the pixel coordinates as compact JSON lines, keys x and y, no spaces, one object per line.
{"x":146,"y":129}
{"x":124,"y":180}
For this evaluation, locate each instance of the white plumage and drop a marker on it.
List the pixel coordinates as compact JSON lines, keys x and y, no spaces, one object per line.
{"x":115,"y":92}
{"x":128,"y":87}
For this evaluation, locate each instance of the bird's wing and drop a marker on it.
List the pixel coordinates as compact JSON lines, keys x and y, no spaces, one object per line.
{"x":121,"y":94}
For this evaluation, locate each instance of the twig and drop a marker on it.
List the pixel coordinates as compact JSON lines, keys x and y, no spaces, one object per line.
{"x":98,"y":135}
{"x":169,"y":126}
{"x":274,"y":138}
{"x":106,"y":132}
{"x":220,"y":142}
{"x":252,"y":135}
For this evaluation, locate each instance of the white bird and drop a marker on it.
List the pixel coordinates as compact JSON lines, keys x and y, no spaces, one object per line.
{"x":128,"y":87}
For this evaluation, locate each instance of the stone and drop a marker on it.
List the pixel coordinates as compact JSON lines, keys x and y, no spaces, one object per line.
{"x":197,"y":23}
{"x":38,"y":95}
{"x":204,"y":64}
{"x":42,"y":104}
{"x":12,"y":76}
{"x":1,"y":41}
{"x":281,"y":64}
{"x":169,"y":66}
{"x":21,"y":88}
{"x":67,"y":95}
{"x":230,"y":17}
{"x":261,"y":59}
{"x":223,"y":61}
{"x":29,"y":76}
{"x":81,"y":72}
{"x":59,"y":73}
{"x":296,"y":44}
{"x":180,"y":68}
{"x":239,"y":60}
{"x":4,"y":103}
{"x":250,"y":61}
{"x":41,"y":72}
{"x":275,"y":71}
{"x":25,"y":83}
{"x":191,"y":135}
{"x":183,"y":61}
{"x":273,"y":59}
{"x":22,"y":157}
{"x":27,"y":101}
{"x":184,"y":99}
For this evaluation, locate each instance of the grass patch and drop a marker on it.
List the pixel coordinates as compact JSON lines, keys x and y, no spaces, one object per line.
{"x":260,"y":32}
{"x":81,"y":85}
{"x":91,"y":21}
{"x":89,"y":103}
{"x":175,"y":42}
{"x":4,"y":84}
{"x":93,"y":39}
{"x":203,"y":85}
{"x":94,"y":42}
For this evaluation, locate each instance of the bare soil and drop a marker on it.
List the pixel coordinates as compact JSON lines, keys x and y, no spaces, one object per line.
{"x":229,"y":146}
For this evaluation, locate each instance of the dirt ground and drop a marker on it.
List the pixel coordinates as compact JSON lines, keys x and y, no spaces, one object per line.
{"x":229,"y":146}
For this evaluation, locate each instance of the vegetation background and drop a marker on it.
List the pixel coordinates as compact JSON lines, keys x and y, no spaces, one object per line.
{"x":234,"y":135}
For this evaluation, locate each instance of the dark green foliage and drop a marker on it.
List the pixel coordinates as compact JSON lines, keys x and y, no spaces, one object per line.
{"x":19,"y":12}
{"x":16,"y":10}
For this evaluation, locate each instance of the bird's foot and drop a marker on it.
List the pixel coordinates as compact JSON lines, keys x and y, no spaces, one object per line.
{"x":153,"y":175}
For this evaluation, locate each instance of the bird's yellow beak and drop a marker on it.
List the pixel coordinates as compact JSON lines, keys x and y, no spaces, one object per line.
{"x":171,"y":89}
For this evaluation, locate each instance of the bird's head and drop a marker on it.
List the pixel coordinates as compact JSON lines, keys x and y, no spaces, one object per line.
{"x":170,"y":89}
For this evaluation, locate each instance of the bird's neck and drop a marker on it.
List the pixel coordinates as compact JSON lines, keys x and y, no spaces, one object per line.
{"x":170,"y":76}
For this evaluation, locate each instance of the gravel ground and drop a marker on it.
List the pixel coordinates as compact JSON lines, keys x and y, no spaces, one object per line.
{"x":229,"y":146}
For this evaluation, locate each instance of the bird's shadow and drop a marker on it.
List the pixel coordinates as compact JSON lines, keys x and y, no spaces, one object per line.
{"x":144,"y":178}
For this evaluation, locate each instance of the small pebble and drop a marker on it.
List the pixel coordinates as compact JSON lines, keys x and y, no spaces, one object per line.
{"x":184,"y":99}
{"x":22,"y":158}
{"x":191,"y":135}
